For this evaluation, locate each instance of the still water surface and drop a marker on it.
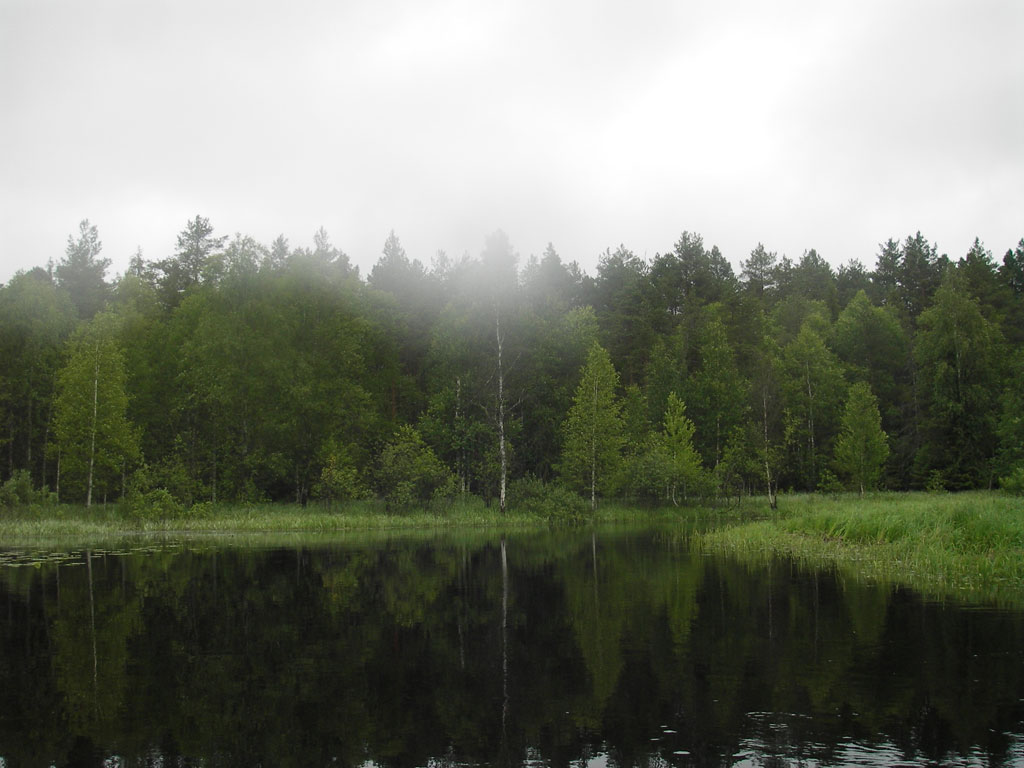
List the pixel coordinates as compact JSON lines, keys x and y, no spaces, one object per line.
{"x":615,"y":647}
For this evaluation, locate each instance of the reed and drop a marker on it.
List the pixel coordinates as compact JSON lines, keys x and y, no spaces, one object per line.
{"x":945,"y":545}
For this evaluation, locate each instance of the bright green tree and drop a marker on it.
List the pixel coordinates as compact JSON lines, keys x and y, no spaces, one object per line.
{"x":686,"y":471}
{"x":593,"y":429}
{"x":94,"y":440}
{"x":862,"y":446}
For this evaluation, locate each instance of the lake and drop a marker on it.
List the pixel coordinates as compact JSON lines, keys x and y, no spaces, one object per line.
{"x":616,"y":646}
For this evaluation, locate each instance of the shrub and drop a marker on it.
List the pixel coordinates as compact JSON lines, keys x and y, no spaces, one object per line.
{"x":17,"y":491}
{"x":143,"y":501}
{"x":408,"y":472}
{"x":157,"y":504}
{"x":1014,"y":482}
{"x":551,"y":501}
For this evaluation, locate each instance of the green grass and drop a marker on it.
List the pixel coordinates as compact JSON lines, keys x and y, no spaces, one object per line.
{"x":65,"y":523}
{"x":968,"y":545}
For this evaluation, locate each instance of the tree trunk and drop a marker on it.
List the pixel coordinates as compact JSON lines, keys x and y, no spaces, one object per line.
{"x":46,"y":438}
{"x":28,"y":441}
{"x":772,"y":498}
{"x":810,"y":426}
{"x":92,"y":443}
{"x":501,"y":417}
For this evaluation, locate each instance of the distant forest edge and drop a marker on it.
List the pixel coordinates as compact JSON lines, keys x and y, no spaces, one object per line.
{"x":236,"y":372}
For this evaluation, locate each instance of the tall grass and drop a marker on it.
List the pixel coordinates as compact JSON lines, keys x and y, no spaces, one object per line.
{"x":34,"y":524}
{"x":968,"y":544}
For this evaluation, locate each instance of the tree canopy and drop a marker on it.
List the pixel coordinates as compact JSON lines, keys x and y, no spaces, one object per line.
{"x":232,"y":370}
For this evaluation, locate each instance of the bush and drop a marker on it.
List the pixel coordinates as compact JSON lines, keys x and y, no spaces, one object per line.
{"x":17,"y":490}
{"x":1014,"y":482}
{"x":550,"y":501}
{"x":157,"y":504}
{"x":143,"y":501}
{"x":409,"y":473}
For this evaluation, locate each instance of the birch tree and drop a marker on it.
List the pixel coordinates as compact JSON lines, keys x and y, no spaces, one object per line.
{"x":593,"y":430}
{"x":94,"y":441}
{"x":862,"y":447}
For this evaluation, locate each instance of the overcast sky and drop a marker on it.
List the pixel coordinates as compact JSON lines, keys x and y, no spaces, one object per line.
{"x":827,"y":125}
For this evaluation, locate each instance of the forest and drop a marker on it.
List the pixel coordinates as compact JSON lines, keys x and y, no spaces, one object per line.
{"x":234,"y":371}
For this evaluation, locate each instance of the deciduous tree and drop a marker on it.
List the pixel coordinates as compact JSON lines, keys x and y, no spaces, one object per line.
{"x":862,"y":446}
{"x":593,"y":428}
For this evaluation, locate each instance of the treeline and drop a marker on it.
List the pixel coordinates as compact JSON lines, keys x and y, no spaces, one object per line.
{"x":236,"y":371}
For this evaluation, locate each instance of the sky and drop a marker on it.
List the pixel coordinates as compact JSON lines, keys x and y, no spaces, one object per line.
{"x":799,"y":125}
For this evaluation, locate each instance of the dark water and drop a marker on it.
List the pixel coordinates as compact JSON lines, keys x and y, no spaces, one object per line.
{"x":618,"y":648}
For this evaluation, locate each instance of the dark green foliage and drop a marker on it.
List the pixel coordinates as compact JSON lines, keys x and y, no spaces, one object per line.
{"x":1014,"y":482}
{"x":959,"y":352}
{"x":18,"y":491}
{"x":551,"y":501}
{"x":409,"y":473}
{"x":241,"y":372}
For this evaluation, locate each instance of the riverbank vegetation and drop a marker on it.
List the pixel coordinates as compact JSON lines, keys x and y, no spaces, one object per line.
{"x":968,"y":545}
{"x":239,"y":373}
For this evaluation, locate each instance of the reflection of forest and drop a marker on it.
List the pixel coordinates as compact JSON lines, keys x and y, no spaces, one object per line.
{"x":614,"y":642}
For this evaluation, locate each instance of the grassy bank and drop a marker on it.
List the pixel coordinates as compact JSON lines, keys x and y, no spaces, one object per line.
{"x":34,"y":525}
{"x":967,"y":544}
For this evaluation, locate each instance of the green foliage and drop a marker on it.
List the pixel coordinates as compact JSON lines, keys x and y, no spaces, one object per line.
{"x":593,"y":429}
{"x":686,"y":475}
{"x":551,"y":501}
{"x":740,"y":469}
{"x":408,"y":472}
{"x":1013,"y":483}
{"x":959,"y":352}
{"x":813,"y":388}
{"x":339,"y":478}
{"x":18,"y":491}
{"x":243,"y":372}
{"x":94,"y":440}
{"x":156,"y":504}
{"x":717,"y":394}
{"x":862,"y":447}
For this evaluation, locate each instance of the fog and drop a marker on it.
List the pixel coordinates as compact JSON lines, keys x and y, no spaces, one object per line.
{"x":826,"y":126}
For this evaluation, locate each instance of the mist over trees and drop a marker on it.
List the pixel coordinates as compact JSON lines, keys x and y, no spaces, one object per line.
{"x":232,"y":370}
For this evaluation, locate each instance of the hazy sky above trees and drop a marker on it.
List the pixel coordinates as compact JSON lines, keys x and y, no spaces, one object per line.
{"x":798,"y":124}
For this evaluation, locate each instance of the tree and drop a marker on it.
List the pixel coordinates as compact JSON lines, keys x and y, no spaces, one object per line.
{"x":677,"y":439}
{"x":716,"y":390}
{"x":35,"y":320}
{"x":189,"y":265}
{"x":759,"y":271}
{"x":813,"y":388}
{"x":862,"y":447}
{"x":593,"y":427}
{"x":94,"y":440}
{"x":409,"y":472}
{"x":81,"y":272}
{"x":959,"y":352}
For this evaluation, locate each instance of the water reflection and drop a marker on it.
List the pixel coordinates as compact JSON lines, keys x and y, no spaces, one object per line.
{"x":607,"y":648}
